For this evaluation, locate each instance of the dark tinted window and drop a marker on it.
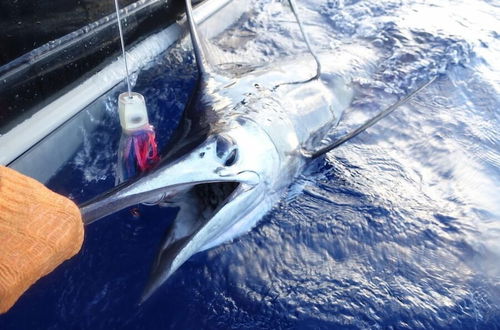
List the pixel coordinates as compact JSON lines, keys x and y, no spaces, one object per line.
{"x":46,"y":46}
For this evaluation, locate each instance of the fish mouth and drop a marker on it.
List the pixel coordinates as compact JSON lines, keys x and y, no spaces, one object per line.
{"x":213,"y":196}
{"x":213,"y":210}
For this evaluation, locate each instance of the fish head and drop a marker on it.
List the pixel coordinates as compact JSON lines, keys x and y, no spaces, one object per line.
{"x":232,"y":175}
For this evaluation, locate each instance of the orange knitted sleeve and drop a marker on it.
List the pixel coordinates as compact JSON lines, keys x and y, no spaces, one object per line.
{"x":39,"y":229}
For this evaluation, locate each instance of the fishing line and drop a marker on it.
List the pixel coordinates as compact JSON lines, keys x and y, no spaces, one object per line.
{"x":123,"y":48}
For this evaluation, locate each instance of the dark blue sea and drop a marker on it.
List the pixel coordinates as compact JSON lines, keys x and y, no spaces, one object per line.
{"x":399,"y":228}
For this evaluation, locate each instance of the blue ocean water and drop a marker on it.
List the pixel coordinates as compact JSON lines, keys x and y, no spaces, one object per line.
{"x":399,"y":228}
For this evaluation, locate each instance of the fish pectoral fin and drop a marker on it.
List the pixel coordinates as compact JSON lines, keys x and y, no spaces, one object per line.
{"x":367,"y":124}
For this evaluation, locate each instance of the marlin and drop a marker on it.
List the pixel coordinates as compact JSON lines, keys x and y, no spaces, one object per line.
{"x":246,"y":133}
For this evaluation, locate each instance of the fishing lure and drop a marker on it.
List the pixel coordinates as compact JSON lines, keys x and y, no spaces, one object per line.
{"x":138,"y":150}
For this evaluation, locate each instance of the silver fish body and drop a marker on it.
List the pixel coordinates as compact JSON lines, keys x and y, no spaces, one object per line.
{"x":246,"y":134}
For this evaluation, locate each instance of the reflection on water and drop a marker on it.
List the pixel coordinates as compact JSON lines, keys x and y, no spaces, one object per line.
{"x":400,"y":227}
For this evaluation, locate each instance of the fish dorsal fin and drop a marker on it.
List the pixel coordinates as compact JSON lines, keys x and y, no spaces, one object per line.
{"x":295,"y":12}
{"x":210,"y":58}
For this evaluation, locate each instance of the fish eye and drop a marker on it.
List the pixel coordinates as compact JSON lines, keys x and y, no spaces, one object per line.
{"x":231,"y":158}
{"x":223,"y":146}
{"x":226,"y":149}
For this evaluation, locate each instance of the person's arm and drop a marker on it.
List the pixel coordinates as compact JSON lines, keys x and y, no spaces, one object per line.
{"x":39,"y":229}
